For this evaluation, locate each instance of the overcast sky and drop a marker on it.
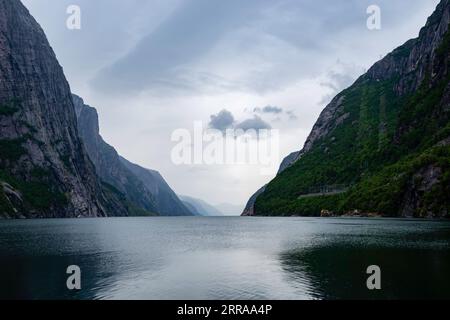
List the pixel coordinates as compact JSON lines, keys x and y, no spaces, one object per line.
{"x":153,"y":66}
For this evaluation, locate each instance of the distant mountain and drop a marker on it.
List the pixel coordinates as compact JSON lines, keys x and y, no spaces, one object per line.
{"x":229,"y":209}
{"x":382,"y":146}
{"x":200,"y":207}
{"x":44,"y":169}
{"x":145,"y":190}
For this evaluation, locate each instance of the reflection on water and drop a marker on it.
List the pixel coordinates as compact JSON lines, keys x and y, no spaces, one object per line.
{"x":224,"y":258}
{"x":338,"y":272}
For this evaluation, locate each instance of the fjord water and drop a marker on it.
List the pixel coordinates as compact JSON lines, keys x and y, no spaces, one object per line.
{"x":224,"y":258}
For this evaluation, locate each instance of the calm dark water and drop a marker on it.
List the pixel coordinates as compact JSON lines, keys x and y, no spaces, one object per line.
{"x":224,"y":258}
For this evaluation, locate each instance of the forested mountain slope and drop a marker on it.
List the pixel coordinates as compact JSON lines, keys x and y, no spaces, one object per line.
{"x":381,"y":146}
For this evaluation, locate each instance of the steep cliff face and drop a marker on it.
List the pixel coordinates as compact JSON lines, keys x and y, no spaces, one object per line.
{"x":146,"y":191}
{"x":381,"y":145}
{"x":108,"y":165}
{"x":44,"y":170}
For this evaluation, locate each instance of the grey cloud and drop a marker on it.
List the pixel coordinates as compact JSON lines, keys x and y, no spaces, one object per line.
{"x":225,"y":120}
{"x":141,"y":45}
{"x":276,"y":111}
{"x":108,"y":29}
{"x":340,"y":79}
{"x":222,"y":121}
{"x":269,"y":109}
{"x":256,"y":123}
{"x":292,"y":115}
{"x":184,"y":38}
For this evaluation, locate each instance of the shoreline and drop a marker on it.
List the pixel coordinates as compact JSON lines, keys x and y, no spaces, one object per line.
{"x":343,"y":217}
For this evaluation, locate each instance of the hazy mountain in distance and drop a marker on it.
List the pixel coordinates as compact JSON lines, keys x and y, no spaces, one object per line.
{"x":201,"y":207}
{"x":229,"y":209}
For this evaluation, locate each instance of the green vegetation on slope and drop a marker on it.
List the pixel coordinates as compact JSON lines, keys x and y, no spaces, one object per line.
{"x":38,"y":193}
{"x":378,"y":152}
{"x":5,"y":205}
{"x":12,"y":149}
{"x":10,"y":108}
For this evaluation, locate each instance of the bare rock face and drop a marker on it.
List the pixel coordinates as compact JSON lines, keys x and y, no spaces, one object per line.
{"x":416,"y":58}
{"x":44,"y":169}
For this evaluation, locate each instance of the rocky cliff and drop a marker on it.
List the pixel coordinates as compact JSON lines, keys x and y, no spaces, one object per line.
{"x":382,"y":145}
{"x":145,"y":190}
{"x":108,"y":165}
{"x":44,"y":169}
